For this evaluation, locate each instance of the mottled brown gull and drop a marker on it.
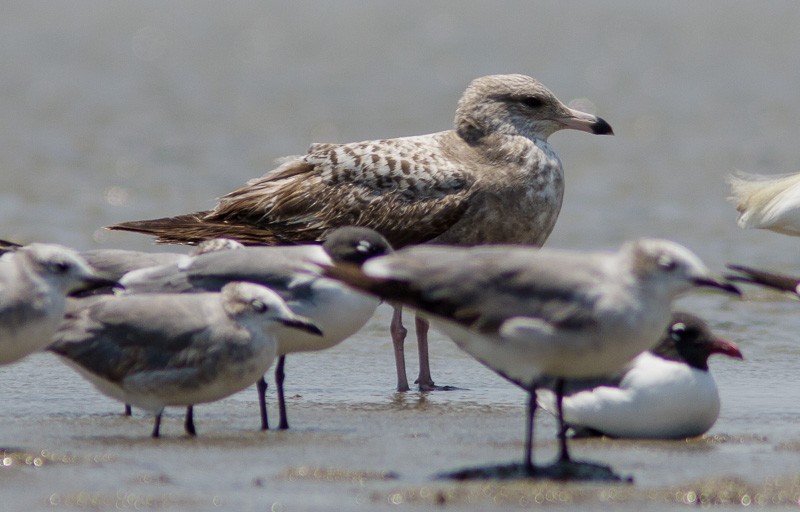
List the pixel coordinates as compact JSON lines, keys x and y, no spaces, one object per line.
{"x":492,"y":179}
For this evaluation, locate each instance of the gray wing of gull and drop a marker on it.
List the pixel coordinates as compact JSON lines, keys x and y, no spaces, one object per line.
{"x":482,"y":288}
{"x":119,"y":336}
{"x":274,"y":267}
{"x":117,"y":262}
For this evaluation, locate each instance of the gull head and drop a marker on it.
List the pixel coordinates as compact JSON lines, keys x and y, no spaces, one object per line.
{"x":688,"y":338}
{"x":518,"y":105}
{"x":355,"y":245}
{"x":670,"y":268}
{"x":62,"y":267}
{"x":249,"y":302}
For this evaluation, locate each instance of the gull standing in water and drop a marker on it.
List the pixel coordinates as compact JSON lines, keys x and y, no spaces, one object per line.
{"x":494,"y":178}
{"x":161,"y":350}
{"x":538,"y":314}
{"x":293,"y":272}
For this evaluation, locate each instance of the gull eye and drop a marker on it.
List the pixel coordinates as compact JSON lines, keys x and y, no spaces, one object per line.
{"x":677,"y":331}
{"x":364,"y":247}
{"x":532,"y":102}
{"x":60,"y":267}
{"x":667,"y":263}
{"x":259,"y":307}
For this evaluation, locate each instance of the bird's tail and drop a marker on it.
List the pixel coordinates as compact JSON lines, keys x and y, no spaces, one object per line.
{"x":8,"y":246}
{"x":764,"y":278}
{"x":194,"y":228}
{"x":752,"y":192}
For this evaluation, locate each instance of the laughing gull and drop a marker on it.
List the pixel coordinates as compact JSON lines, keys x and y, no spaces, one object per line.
{"x":767,"y":202}
{"x":34,"y":282}
{"x":530,"y":314}
{"x":492,"y":179}
{"x":293,"y":272}
{"x":118,"y":262}
{"x":667,"y":392}
{"x":161,"y":350}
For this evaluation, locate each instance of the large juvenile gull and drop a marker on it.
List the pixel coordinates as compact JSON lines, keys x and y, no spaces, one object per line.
{"x":535,"y":314}
{"x":667,"y":392}
{"x":161,"y":350}
{"x":767,"y":202}
{"x":293,"y":272}
{"x":34,"y":282}
{"x":492,"y":179}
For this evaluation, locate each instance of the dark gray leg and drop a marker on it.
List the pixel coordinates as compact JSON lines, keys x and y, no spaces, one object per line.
{"x":157,"y":424}
{"x":189,"y":423}
{"x":529,"y":468}
{"x":279,"y":376}
{"x":562,"y":427}
{"x":261,"y":387}
{"x":128,"y":411}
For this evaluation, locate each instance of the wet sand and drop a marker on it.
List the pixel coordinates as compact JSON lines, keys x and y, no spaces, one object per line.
{"x":360,"y":446}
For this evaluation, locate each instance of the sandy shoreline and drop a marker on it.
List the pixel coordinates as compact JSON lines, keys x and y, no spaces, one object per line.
{"x":374,"y":456}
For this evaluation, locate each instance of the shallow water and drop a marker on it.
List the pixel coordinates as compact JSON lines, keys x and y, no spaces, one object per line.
{"x":112,"y":111}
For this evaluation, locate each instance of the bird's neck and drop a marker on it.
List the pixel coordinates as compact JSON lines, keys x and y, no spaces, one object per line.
{"x":514,"y":149}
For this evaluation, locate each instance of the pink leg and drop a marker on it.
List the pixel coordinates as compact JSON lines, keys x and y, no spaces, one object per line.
{"x":424,"y":380}
{"x":398,"y":339}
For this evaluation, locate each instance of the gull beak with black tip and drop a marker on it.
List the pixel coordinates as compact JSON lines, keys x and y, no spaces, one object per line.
{"x":711,"y":282}
{"x":92,"y":283}
{"x":584,"y":122}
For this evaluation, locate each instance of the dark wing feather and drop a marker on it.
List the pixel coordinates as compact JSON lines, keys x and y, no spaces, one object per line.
{"x":8,"y":246}
{"x":194,"y":228}
{"x":764,"y":278}
{"x":480,"y":288}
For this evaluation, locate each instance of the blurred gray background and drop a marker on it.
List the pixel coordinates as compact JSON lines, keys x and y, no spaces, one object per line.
{"x":114,"y":111}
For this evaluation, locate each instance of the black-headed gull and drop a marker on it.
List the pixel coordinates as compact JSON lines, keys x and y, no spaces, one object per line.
{"x":161,"y":350}
{"x":666,"y":392}
{"x":492,"y":179}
